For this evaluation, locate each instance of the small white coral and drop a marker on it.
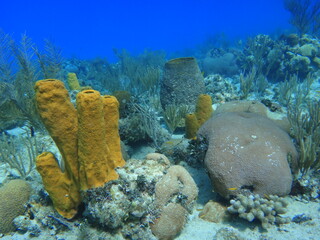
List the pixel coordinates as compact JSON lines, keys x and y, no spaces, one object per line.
{"x":267,"y":210}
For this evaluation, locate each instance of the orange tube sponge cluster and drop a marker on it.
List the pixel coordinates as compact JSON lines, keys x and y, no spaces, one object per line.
{"x":61,"y":186}
{"x":96,"y":167}
{"x":111,"y":117}
{"x":87,"y":138}
{"x":203,"y":112}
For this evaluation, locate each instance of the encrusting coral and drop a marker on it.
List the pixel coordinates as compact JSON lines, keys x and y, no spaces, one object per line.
{"x":87,"y":138}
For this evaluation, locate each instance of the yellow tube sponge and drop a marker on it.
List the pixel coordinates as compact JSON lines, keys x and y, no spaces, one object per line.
{"x":96,"y":168}
{"x":111,"y":117}
{"x":73,"y":82}
{"x":87,"y":138}
{"x":203,"y":112}
{"x":192,"y":125}
{"x":60,"y":119}
{"x":63,"y":191}
{"x":203,"y":108}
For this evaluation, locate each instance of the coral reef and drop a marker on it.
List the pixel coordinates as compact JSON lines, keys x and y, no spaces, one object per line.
{"x":135,"y":74}
{"x":247,"y":152}
{"x":80,"y":142}
{"x":221,"y":89}
{"x":245,"y":147}
{"x":129,"y":199}
{"x":266,"y":209}
{"x":14,"y":195}
{"x":177,"y":181}
{"x":276,"y":60}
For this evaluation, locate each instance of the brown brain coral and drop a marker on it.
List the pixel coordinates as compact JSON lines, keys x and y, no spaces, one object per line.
{"x":175,"y":184}
{"x":13,"y":196}
{"x":247,"y":152}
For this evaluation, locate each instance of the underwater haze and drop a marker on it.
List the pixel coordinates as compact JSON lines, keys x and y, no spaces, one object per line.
{"x":160,"y":120}
{"x":88,"y":29}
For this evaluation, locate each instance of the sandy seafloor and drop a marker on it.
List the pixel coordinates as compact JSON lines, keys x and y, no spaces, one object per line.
{"x":196,"y":228}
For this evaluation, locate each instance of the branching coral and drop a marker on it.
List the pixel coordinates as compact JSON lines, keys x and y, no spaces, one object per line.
{"x":267,"y":210}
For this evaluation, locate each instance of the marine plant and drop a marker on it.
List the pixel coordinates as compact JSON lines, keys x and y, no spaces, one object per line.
{"x":6,"y":58}
{"x":258,"y":47}
{"x":50,"y":60}
{"x":21,"y":64}
{"x":293,"y":89}
{"x":25,"y":77}
{"x":305,"y":124}
{"x":142,"y":73}
{"x":135,"y":74}
{"x":246,"y":82}
{"x":20,"y":152}
{"x":260,"y":84}
{"x":174,"y":115}
{"x":286,"y":89}
{"x":123,"y":98}
{"x":102,"y":72}
{"x":149,"y":122}
{"x":305,"y":15}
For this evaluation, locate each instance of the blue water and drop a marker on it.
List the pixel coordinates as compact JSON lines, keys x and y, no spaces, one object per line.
{"x":88,"y":29}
